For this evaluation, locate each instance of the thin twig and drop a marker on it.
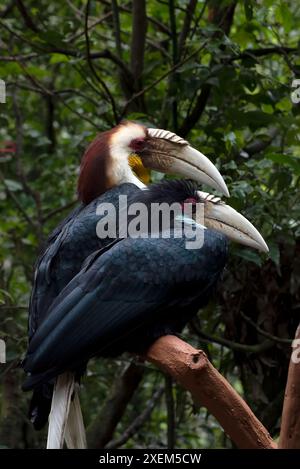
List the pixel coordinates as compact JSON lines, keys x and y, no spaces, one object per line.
{"x":208,"y":338}
{"x":164,"y":75}
{"x":265,"y":333}
{"x":170,"y":412}
{"x":58,"y":210}
{"x":91,"y":65}
{"x":138,"y":422}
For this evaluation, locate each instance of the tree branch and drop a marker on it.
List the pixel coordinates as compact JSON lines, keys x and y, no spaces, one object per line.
{"x":93,"y":70}
{"x":116,"y":21}
{"x":190,"y":10}
{"x":253,"y":53}
{"x":191,"y":368}
{"x":170,"y":412}
{"x":272,"y":337}
{"x":26,"y":16}
{"x":246,"y":348}
{"x":223,"y":18}
{"x":138,"y":41}
{"x":197,"y":111}
{"x":163,"y":76}
{"x":138,"y":422}
{"x":290,"y":422}
{"x":7,"y":9}
{"x":17,"y":204}
{"x":101,"y":430}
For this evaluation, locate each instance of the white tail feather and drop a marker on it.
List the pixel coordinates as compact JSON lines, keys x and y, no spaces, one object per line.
{"x":75,"y":432}
{"x":60,"y":406}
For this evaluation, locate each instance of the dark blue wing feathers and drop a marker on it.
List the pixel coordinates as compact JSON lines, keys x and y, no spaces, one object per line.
{"x":130,"y":286}
{"x":69,"y":245}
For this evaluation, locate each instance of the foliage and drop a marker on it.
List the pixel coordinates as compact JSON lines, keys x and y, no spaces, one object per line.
{"x":217,"y":72}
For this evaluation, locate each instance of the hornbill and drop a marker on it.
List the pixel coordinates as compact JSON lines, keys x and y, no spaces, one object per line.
{"x":116,"y":163}
{"x":135,"y":290}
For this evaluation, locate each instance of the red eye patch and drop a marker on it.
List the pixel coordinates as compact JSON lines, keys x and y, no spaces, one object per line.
{"x":137,"y":144}
{"x":189,"y":200}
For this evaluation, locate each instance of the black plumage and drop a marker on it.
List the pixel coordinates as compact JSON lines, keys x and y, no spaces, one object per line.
{"x":68,"y":247}
{"x":129,"y":292}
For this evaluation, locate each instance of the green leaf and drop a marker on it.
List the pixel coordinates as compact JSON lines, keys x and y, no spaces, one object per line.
{"x":267,"y":108}
{"x":251,"y":256}
{"x":13,"y":186}
{"x":58,"y":58}
{"x":274,"y":253}
{"x":286,"y":160}
{"x":284,"y":105}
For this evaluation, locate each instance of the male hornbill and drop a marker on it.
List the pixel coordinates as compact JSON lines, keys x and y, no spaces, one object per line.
{"x":135,"y":290}
{"x":116,"y":163}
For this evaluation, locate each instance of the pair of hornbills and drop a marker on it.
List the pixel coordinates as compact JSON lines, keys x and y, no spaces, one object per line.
{"x":102,"y":297}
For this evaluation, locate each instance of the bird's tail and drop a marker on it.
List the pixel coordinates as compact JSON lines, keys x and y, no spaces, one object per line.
{"x":65,"y":419}
{"x":75,"y":432}
{"x":40,"y":405}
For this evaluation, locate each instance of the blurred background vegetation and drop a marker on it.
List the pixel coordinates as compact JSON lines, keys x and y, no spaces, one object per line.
{"x":219,"y":73}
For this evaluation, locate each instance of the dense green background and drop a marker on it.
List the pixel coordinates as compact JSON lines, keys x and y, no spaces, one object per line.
{"x":218,"y":73}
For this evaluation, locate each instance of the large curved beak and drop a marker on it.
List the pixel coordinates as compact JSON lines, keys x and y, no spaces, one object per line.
{"x":223,"y":218}
{"x":166,"y":152}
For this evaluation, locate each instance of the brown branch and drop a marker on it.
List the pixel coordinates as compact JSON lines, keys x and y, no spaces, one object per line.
{"x":137,"y":423}
{"x":171,"y":422}
{"x":246,"y":348}
{"x":126,"y":78}
{"x":91,"y":26}
{"x":17,"y":204}
{"x":190,"y":10}
{"x":290,"y":423}
{"x":137,"y":49}
{"x":223,"y":18}
{"x":105,"y":54}
{"x":117,"y":30}
{"x":15,"y":58}
{"x":20,"y":170}
{"x":92,"y":68}
{"x":272,"y":337}
{"x":158,"y":24}
{"x":7,"y":10}
{"x":101,"y":430}
{"x":253,"y":53}
{"x":197,"y":111}
{"x":163,"y":76}
{"x":139,"y":29}
{"x":173,"y":79}
{"x":26,"y":16}
{"x":191,"y":369}
{"x":58,"y":210}
{"x":199,"y":17}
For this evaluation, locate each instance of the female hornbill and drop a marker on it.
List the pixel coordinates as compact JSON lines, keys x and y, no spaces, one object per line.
{"x":117,"y":162}
{"x":118,"y":301}
{"x":132,"y":291}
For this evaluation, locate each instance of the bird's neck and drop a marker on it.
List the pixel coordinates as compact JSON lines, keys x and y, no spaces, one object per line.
{"x":94,"y":177}
{"x":102,"y":168}
{"x":120,"y":171}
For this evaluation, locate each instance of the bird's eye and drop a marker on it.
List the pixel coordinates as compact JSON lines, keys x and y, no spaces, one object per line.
{"x":190,"y":200}
{"x":137,"y":144}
